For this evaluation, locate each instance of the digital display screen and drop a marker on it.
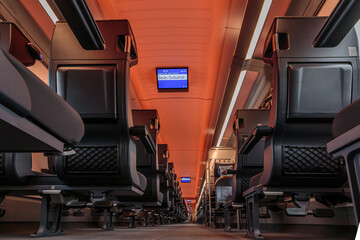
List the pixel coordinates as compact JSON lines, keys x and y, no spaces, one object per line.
{"x":172,"y":78}
{"x":185,"y":179}
{"x":188,"y":200}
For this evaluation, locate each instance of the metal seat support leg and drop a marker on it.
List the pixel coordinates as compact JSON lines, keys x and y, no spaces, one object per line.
{"x":108,"y":220}
{"x":44,"y":229}
{"x":252,"y":216}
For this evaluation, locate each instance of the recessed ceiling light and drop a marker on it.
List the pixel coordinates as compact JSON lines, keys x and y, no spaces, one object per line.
{"x":48,"y":10}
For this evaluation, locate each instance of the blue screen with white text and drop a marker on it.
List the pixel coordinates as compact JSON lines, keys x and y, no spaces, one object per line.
{"x":170,"y":78}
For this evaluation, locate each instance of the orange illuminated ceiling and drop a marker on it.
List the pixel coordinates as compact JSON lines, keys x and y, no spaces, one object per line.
{"x":173,"y":33}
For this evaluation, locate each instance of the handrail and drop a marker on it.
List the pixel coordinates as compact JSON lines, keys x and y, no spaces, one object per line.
{"x":82,"y":24}
{"x":342,"y":19}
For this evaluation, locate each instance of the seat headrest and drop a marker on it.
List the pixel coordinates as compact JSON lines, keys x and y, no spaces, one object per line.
{"x":119,"y":43}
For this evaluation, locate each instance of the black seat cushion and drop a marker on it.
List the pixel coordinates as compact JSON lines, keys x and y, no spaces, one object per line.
{"x":160,"y":197}
{"x":14,"y":93}
{"x":346,"y":119}
{"x":142,"y":181}
{"x":48,"y":109}
{"x":255,"y":180}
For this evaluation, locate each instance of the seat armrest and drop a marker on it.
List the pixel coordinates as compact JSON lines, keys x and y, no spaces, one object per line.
{"x":164,"y":172}
{"x":228,"y":171}
{"x":258,"y":133}
{"x":344,"y":140}
{"x":143,"y":134}
{"x":222,"y":178}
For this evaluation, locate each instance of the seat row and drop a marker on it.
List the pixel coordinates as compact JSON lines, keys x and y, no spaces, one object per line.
{"x":282,"y":151}
{"x":211,"y":204}
{"x":101,"y":153}
{"x":282,"y":159}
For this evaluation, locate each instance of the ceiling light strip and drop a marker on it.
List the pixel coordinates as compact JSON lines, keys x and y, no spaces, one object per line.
{"x":231,"y":106}
{"x":259,"y":25}
{"x":202,"y":189}
{"x":198,"y":200}
{"x":48,"y":10}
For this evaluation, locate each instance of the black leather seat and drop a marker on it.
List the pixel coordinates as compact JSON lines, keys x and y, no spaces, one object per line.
{"x":181,"y":210}
{"x":147,"y":163}
{"x":249,"y":164}
{"x":172,"y":191}
{"x":221,"y":162}
{"x":163,"y":157}
{"x":161,"y":211}
{"x":96,"y":84}
{"x":346,"y":131}
{"x":296,"y":163}
{"x":346,"y":119}
{"x":40,"y":117}
{"x":165,"y":187}
{"x":33,"y":105}
{"x":183,"y":214}
{"x":33,"y":119}
{"x":177,"y":195}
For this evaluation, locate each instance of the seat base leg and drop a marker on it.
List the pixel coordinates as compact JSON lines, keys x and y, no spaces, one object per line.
{"x":44,"y":229}
{"x":145,"y":221}
{"x":153,"y":222}
{"x":158,"y":220}
{"x":2,"y":210}
{"x":252,"y":215}
{"x":132,"y":221}
{"x":227,"y":220}
{"x":108,"y":220}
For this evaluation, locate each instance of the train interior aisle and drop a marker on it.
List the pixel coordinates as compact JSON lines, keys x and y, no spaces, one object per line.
{"x":191,"y":119}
